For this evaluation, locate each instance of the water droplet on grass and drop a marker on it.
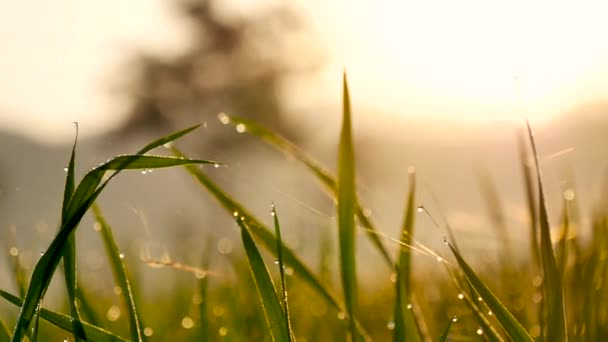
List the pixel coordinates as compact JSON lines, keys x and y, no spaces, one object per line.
{"x":122,"y":255}
{"x":216,"y":165}
{"x":65,"y":169}
{"x":187,"y":322}
{"x":460,"y":296}
{"x":223,"y":118}
{"x":341,"y":315}
{"x":113,"y":313}
{"x":454,"y":319}
{"x":223,"y":331}
{"x":409,"y":306}
{"x":14,"y":251}
{"x":235,"y":213}
{"x":479,"y":331}
{"x":148,"y":331}
{"x":241,"y":128}
{"x":479,"y":299}
{"x":390,"y":325}
{"x":420,"y":208}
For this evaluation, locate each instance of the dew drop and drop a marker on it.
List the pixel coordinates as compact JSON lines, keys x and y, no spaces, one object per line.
{"x":420,"y":208}
{"x":490,"y":313}
{"x":117,"y":290}
{"x":288,"y":271}
{"x":276,"y":262}
{"x":241,"y":128}
{"x":143,"y":172}
{"x":393,"y":277}
{"x":223,"y":331}
{"x":148,"y":331}
{"x":439,"y":259}
{"x":65,"y":169}
{"x":479,"y":299}
{"x":200,"y":274}
{"x":454,"y":319}
{"x":460,"y":296}
{"x":569,"y":195}
{"x":14,"y":251}
{"x":216,"y":165}
{"x":409,"y":306}
{"x":113,"y":313}
{"x":122,"y":255}
{"x":479,"y":331}
{"x":235,"y":213}
{"x":223,"y":118}
{"x":390,"y":325}
{"x":341,"y":315}
{"x":187,"y":322}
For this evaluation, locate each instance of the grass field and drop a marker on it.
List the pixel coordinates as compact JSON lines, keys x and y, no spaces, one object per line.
{"x":556,"y":293}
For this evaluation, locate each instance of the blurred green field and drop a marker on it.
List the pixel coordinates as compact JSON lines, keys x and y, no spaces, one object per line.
{"x":551,"y":289}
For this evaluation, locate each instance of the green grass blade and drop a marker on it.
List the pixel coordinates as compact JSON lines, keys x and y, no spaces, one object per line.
{"x":120,"y":275}
{"x":275,"y":317}
{"x":511,"y":326}
{"x":69,"y":253}
{"x":530,"y":199}
{"x":406,"y":328}
{"x":264,"y":235}
{"x":64,"y":322}
{"x":277,"y":233}
{"x":446,"y":332}
{"x":346,"y":212}
{"x":203,"y":286}
{"x":84,"y":196}
{"x":552,"y":282}
{"x":318,"y":171}
{"x":562,"y":245}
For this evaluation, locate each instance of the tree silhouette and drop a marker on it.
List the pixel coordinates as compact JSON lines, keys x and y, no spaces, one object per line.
{"x":236,"y":65}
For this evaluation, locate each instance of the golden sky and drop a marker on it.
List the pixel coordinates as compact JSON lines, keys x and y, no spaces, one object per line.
{"x":467,"y":59}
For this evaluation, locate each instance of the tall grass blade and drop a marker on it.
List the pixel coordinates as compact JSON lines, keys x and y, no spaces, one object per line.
{"x":84,"y":196}
{"x":277,"y":233}
{"x":120,"y":275}
{"x":446,"y":332}
{"x":562,"y":245}
{"x":264,"y":235}
{"x":64,"y":322}
{"x":69,"y":252}
{"x":203,"y":286}
{"x":273,"y":311}
{"x":319,"y":171}
{"x":530,"y":199}
{"x":554,"y":293}
{"x":511,"y":326}
{"x":346,"y":212}
{"x":406,"y":328}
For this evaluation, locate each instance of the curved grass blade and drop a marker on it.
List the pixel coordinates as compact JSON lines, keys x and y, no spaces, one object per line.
{"x":69,"y":252}
{"x":264,"y":235}
{"x":120,"y":275}
{"x":554,"y":293}
{"x":529,"y":188}
{"x":316,"y":169}
{"x":277,"y":233}
{"x":562,"y":245}
{"x":275,"y":317}
{"x":64,"y":322}
{"x":446,"y":332}
{"x":84,"y":196}
{"x":346,"y":212}
{"x":512,"y":327}
{"x":406,"y":328}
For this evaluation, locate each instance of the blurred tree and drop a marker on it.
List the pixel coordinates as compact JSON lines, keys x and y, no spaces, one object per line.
{"x":236,"y":64}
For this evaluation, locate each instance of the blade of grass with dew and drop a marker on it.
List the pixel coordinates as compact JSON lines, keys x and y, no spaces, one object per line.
{"x":406,"y":328}
{"x":346,"y":212}
{"x":316,"y":169}
{"x":554,"y":293}
{"x":511,"y":326}
{"x":273,"y":311}
{"x":277,"y":233}
{"x":446,"y":332}
{"x":69,"y":251}
{"x":64,"y":322}
{"x":84,"y":196}
{"x":265,"y":237}
{"x":120,"y":275}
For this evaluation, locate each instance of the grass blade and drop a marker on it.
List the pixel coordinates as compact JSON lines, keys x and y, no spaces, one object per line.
{"x":446,"y":332}
{"x":316,"y":169}
{"x":406,"y":328}
{"x":552,"y":280}
{"x":120,"y":275}
{"x":275,"y":317}
{"x":531,"y":203}
{"x":346,"y":212}
{"x":203,"y":286}
{"x":5,"y":333}
{"x":277,"y":233}
{"x":264,"y":235}
{"x":64,"y":322}
{"x":512,"y":327}
{"x":69,"y":252}
{"x":84,"y":196}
